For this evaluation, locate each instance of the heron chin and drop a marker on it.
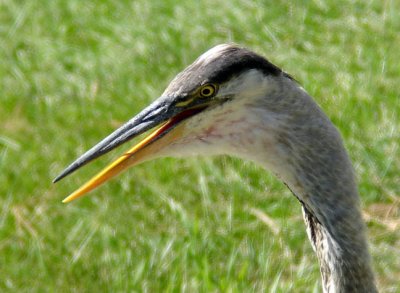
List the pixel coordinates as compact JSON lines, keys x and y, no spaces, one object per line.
{"x":233,"y":101}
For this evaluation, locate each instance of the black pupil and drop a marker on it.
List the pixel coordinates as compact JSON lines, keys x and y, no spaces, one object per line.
{"x":206,"y":91}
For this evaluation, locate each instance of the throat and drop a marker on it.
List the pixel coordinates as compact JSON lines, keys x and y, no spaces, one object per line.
{"x":344,"y":261}
{"x":331,"y":210}
{"x":307,"y":153}
{"x":293,"y":138}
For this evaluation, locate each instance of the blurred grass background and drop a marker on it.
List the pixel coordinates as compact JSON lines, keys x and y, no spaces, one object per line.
{"x":72,"y":71}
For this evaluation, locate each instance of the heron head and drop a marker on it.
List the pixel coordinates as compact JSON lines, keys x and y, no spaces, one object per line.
{"x":200,"y":112}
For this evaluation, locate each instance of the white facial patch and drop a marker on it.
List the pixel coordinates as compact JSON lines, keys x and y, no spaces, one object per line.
{"x":251,"y":84}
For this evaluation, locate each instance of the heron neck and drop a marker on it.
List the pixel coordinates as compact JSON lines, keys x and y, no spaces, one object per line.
{"x":342,"y":251}
{"x":316,"y":167}
{"x":296,"y":140}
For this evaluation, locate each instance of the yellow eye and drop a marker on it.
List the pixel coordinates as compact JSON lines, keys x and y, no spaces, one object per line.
{"x":208,"y":90}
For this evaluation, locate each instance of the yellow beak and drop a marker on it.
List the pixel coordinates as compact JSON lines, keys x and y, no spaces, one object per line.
{"x":143,"y":151}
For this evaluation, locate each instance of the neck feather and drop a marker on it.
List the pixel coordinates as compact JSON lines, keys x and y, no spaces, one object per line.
{"x":315,"y":166}
{"x":344,"y":261}
{"x":334,"y":224}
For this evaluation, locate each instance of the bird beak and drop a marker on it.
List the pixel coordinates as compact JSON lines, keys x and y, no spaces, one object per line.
{"x":161,"y":113}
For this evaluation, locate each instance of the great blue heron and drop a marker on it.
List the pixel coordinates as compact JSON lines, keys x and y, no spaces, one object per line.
{"x":233,"y":101}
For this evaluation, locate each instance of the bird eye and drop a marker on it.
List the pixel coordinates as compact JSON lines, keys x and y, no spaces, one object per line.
{"x":208,"y":90}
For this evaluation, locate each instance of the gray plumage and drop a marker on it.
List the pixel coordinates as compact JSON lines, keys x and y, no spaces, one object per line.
{"x":252,"y":109}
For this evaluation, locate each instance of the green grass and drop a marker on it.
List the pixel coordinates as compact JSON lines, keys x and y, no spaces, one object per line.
{"x":72,"y":71}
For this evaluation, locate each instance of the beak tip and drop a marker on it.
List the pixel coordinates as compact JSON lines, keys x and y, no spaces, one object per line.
{"x":64,"y":173}
{"x":68,"y":199}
